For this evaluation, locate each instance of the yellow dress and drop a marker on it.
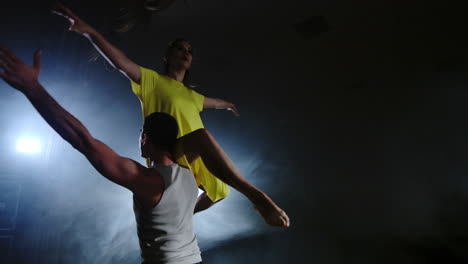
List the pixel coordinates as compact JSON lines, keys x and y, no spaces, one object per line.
{"x":159,"y":93}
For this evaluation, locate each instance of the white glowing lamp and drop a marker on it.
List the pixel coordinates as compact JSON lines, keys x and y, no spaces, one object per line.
{"x":28,"y":145}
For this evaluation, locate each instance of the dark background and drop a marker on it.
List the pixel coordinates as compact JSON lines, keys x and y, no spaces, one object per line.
{"x":357,"y":130}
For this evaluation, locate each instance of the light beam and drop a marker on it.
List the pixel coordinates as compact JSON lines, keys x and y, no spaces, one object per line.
{"x":28,"y":145}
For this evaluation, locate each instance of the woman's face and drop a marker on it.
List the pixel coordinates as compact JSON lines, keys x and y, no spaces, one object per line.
{"x":180,"y":55}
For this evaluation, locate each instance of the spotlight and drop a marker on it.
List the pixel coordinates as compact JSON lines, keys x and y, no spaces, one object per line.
{"x":28,"y":145}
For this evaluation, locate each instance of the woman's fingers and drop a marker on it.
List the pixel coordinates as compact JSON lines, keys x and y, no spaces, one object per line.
{"x":57,"y":8}
{"x":233,"y":108}
{"x":61,"y":10}
{"x":285,"y":219}
{"x":71,"y":20}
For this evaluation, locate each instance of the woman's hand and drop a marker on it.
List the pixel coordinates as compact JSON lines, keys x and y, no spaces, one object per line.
{"x":232,"y":107}
{"x":220,"y":104}
{"x":76,"y":23}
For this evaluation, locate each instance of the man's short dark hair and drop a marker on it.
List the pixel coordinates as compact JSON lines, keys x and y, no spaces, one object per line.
{"x":162,"y":129}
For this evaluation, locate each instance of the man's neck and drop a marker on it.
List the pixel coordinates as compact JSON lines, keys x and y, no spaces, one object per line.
{"x":164,"y":158}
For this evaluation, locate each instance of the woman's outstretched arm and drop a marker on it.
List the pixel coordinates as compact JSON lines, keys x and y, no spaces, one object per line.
{"x":201,"y":143}
{"x":112,"y":54}
{"x":220,"y":104}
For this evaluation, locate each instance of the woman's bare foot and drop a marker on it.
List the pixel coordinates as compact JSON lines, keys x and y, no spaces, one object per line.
{"x":270,"y":212}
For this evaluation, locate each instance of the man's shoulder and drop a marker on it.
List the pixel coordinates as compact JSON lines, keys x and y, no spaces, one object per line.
{"x":149,"y":186}
{"x":149,"y":176}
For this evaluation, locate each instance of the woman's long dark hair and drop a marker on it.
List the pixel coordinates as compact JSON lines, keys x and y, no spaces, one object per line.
{"x":170,"y":46}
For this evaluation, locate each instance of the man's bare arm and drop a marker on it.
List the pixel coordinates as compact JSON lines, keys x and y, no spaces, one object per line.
{"x":112,"y":54}
{"x":24,"y":78}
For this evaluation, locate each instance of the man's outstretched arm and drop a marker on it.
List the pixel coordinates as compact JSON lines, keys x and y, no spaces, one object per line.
{"x":24,"y":78}
{"x":201,"y":143}
{"x":112,"y":54}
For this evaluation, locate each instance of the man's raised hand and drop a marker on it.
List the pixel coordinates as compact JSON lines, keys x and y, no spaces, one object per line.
{"x":17,"y":73}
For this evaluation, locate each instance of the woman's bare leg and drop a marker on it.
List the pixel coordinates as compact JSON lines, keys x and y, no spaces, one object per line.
{"x":201,"y":143}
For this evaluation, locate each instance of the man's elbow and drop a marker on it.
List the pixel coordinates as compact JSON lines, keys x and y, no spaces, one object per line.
{"x":84,"y":145}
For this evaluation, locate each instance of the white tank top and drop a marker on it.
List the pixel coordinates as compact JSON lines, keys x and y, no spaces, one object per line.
{"x":166,"y":230}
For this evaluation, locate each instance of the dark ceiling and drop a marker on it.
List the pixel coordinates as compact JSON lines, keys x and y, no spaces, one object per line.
{"x":352,"y":119}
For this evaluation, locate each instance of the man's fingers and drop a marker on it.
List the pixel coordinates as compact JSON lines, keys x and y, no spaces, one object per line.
{"x":9,"y":59}
{"x":6,"y":54}
{"x":3,"y":65}
{"x":37,"y":60}
{"x":4,"y":60}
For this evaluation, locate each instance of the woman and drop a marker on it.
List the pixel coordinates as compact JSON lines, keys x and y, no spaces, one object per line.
{"x":170,"y":93}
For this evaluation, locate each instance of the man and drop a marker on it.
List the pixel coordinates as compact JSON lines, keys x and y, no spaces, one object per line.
{"x":164,"y":194}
